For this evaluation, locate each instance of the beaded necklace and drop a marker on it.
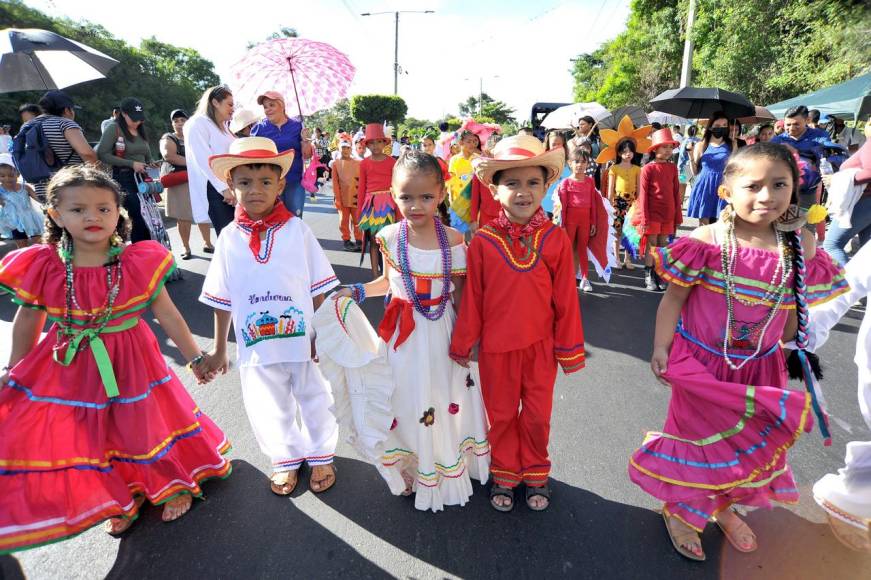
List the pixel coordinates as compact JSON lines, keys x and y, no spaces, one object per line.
{"x":113,"y":285}
{"x":728,"y":254}
{"x":408,"y":279}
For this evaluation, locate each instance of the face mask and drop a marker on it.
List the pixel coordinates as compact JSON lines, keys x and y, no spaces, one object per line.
{"x":719,"y":132}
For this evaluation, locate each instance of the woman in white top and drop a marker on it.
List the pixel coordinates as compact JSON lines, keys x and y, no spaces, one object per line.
{"x":208,"y":133}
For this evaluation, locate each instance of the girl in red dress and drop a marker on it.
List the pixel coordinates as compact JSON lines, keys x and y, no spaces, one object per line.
{"x":92,"y":421}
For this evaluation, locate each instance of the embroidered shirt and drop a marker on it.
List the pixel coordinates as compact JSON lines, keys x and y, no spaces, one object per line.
{"x":518,"y":293}
{"x":270,"y":296}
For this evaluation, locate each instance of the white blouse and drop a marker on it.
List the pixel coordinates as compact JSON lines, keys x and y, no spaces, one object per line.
{"x":202,"y":139}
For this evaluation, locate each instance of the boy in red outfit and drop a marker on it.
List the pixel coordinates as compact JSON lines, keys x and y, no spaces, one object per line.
{"x":521,"y":307}
{"x":659,"y":202}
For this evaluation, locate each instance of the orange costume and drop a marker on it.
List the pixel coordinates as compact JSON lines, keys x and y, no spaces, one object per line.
{"x":346,"y":175}
{"x":520,"y":305}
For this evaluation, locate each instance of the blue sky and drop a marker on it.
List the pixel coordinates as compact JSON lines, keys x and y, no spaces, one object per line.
{"x":520,"y":49}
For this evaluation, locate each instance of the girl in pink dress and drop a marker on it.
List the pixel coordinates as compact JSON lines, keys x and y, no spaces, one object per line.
{"x":92,"y":421}
{"x":736,"y":289}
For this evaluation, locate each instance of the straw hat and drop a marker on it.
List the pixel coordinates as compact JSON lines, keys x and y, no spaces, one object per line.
{"x":662,"y":137}
{"x":241,"y":119}
{"x":520,"y":151}
{"x":248,"y":151}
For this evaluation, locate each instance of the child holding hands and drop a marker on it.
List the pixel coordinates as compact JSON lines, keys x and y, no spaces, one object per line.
{"x":438,"y":441}
{"x":92,"y":420}
{"x":521,"y":307}
{"x":267,"y":276}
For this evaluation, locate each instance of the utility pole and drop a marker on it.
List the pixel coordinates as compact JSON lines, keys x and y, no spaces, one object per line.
{"x":480,"y":95}
{"x":686,"y":71}
{"x":396,"y":39}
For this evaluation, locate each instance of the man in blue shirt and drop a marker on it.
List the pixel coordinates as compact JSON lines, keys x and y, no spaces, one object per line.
{"x":287,"y":134}
{"x":808,"y":142}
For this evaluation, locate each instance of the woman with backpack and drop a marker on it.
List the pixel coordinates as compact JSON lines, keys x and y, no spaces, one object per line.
{"x":60,"y":138}
{"x":124,"y":147}
{"x":178,"y":197}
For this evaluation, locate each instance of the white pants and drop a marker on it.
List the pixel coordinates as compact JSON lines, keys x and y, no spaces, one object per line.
{"x":274,"y":395}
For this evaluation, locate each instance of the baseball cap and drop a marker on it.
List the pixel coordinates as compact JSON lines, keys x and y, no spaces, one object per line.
{"x":57,"y":100}
{"x":344,"y":144}
{"x":178,"y":113}
{"x":133,"y":108}
{"x":271,"y":95}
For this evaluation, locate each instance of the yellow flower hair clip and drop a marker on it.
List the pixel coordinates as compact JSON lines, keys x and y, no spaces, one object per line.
{"x":625,"y":130}
{"x":816,"y":213}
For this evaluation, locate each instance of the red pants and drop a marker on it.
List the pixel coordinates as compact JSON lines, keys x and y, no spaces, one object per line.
{"x":347,"y":220}
{"x":577,"y":224}
{"x":518,"y":395}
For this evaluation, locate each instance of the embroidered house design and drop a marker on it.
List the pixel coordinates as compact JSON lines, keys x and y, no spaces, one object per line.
{"x":264,"y":325}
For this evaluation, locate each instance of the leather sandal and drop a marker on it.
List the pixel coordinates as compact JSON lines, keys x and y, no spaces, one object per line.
{"x":280,"y":483}
{"x":537,"y":491}
{"x":681,"y":537}
{"x":739,"y":530}
{"x":499,"y":491}
{"x":330,"y":479}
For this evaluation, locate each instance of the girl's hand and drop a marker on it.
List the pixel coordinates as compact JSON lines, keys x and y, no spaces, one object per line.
{"x":139,"y":167}
{"x":342,"y":292}
{"x":228,"y":196}
{"x":213,"y":363}
{"x":659,"y":364}
{"x":4,"y":379}
{"x":463,"y":361}
{"x":314,"y":352}
{"x":592,"y":230}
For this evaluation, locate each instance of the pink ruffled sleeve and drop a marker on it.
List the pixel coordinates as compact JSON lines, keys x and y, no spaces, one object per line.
{"x":23,"y":274}
{"x":685,"y":261}
{"x":824,"y":279}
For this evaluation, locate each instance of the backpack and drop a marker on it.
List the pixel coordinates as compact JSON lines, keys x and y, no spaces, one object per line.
{"x":35,"y":159}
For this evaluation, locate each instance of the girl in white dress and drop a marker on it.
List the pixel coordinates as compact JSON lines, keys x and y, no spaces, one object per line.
{"x":437,"y":441}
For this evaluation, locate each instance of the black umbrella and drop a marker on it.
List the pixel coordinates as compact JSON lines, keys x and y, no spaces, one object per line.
{"x":39,"y":60}
{"x":702,"y":103}
{"x":636,"y":115}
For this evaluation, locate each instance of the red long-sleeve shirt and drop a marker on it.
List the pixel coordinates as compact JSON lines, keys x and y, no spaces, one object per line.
{"x":485,"y":207}
{"x":516,"y":296}
{"x":659,"y":199}
{"x":376,"y":175}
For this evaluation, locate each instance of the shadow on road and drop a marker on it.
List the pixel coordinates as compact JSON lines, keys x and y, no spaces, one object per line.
{"x":10,"y":569}
{"x":240,"y":531}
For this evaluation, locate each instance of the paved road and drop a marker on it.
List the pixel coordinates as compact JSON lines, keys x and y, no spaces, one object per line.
{"x":599,"y":526}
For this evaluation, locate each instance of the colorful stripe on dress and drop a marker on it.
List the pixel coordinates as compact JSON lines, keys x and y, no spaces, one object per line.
{"x":469,"y":445}
{"x":523,"y":263}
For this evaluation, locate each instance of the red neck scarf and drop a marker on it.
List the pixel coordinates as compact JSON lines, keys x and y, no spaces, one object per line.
{"x":517,"y":231}
{"x":277,"y":216}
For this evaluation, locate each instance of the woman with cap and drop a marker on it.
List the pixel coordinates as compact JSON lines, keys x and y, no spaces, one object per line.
{"x":287,"y":134}
{"x":178,"y":197}
{"x":208,"y":133}
{"x":65,"y":137}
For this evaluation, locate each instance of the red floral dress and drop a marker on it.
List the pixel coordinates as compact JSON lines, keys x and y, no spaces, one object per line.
{"x":71,"y":455}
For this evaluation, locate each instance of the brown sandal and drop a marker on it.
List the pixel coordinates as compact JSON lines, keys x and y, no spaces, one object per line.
{"x":682,"y":537}
{"x":331,"y":478}
{"x":279,"y":482}
{"x":732,"y":535}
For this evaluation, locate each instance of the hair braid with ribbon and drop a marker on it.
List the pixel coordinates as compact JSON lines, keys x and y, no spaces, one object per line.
{"x":802,"y":364}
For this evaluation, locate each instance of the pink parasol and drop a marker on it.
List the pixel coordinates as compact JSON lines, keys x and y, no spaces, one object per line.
{"x":311,"y":75}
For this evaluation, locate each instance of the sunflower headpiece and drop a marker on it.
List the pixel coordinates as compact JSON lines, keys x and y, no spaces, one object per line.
{"x":625,"y":130}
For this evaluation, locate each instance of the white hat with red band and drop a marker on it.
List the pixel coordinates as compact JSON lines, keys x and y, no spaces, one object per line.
{"x":520,"y":151}
{"x":250,"y":151}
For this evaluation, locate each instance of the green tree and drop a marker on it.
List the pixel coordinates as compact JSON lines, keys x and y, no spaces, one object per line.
{"x":494,"y":111}
{"x":283,"y":32}
{"x":335,"y":118}
{"x":378,"y":108}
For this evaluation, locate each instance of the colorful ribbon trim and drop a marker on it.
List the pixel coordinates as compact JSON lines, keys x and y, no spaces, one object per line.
{"x":98,"y":350}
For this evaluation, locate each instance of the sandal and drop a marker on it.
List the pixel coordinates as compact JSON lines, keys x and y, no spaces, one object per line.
{"x":280,"y":483}
{"x":680,"y":538}
{"x":209,"y":249}
{"x":499,"y":491}
{"x":186,"y":255}
{"x":128,"y":521}
{"x":409,"y":484}
{"x":183,"y":502}
{"x":330,"y":479}
{"x":538,"y":491}
{"x":738,"y":530}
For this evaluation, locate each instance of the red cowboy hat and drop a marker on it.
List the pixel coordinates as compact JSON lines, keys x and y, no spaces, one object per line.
{"x":662,"y":137}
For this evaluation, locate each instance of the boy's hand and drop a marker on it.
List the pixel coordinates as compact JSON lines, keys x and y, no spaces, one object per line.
{"x":659,"y":364}
{"x":314,"y":352}
{"x":592,"y":230}
{"x":214,"y":362}
{"x":463,"y":361}
{"x":473,"y":227}
{"x":4,"y":379}
{"x":342,"y":292}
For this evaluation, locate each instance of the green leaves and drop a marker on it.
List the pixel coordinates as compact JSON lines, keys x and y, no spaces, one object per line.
{"x":378,"y":108}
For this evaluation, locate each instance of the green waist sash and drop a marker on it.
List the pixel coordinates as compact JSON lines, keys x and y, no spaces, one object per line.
{"x":77,"y":339}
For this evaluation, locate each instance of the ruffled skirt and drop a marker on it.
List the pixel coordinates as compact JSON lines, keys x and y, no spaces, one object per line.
{"x":725,"y":439}
{"x":378,"y":210}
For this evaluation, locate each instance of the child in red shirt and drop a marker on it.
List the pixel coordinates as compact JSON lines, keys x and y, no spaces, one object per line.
{"x":659,"y":203}
{"x":581,"y":218}
{"x":521,"y":307}
{"x":376,"y":173}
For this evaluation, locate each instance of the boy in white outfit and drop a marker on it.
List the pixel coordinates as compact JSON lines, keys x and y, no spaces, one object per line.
{"x":269,"y":275}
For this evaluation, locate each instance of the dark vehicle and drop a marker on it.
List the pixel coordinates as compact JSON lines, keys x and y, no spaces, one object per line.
{"x":539,"y":112}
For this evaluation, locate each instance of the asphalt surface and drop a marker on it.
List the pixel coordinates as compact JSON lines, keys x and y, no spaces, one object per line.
{"x":599,"y":525}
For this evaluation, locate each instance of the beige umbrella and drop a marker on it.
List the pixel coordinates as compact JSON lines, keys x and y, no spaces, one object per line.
{"x":760,"y":116}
